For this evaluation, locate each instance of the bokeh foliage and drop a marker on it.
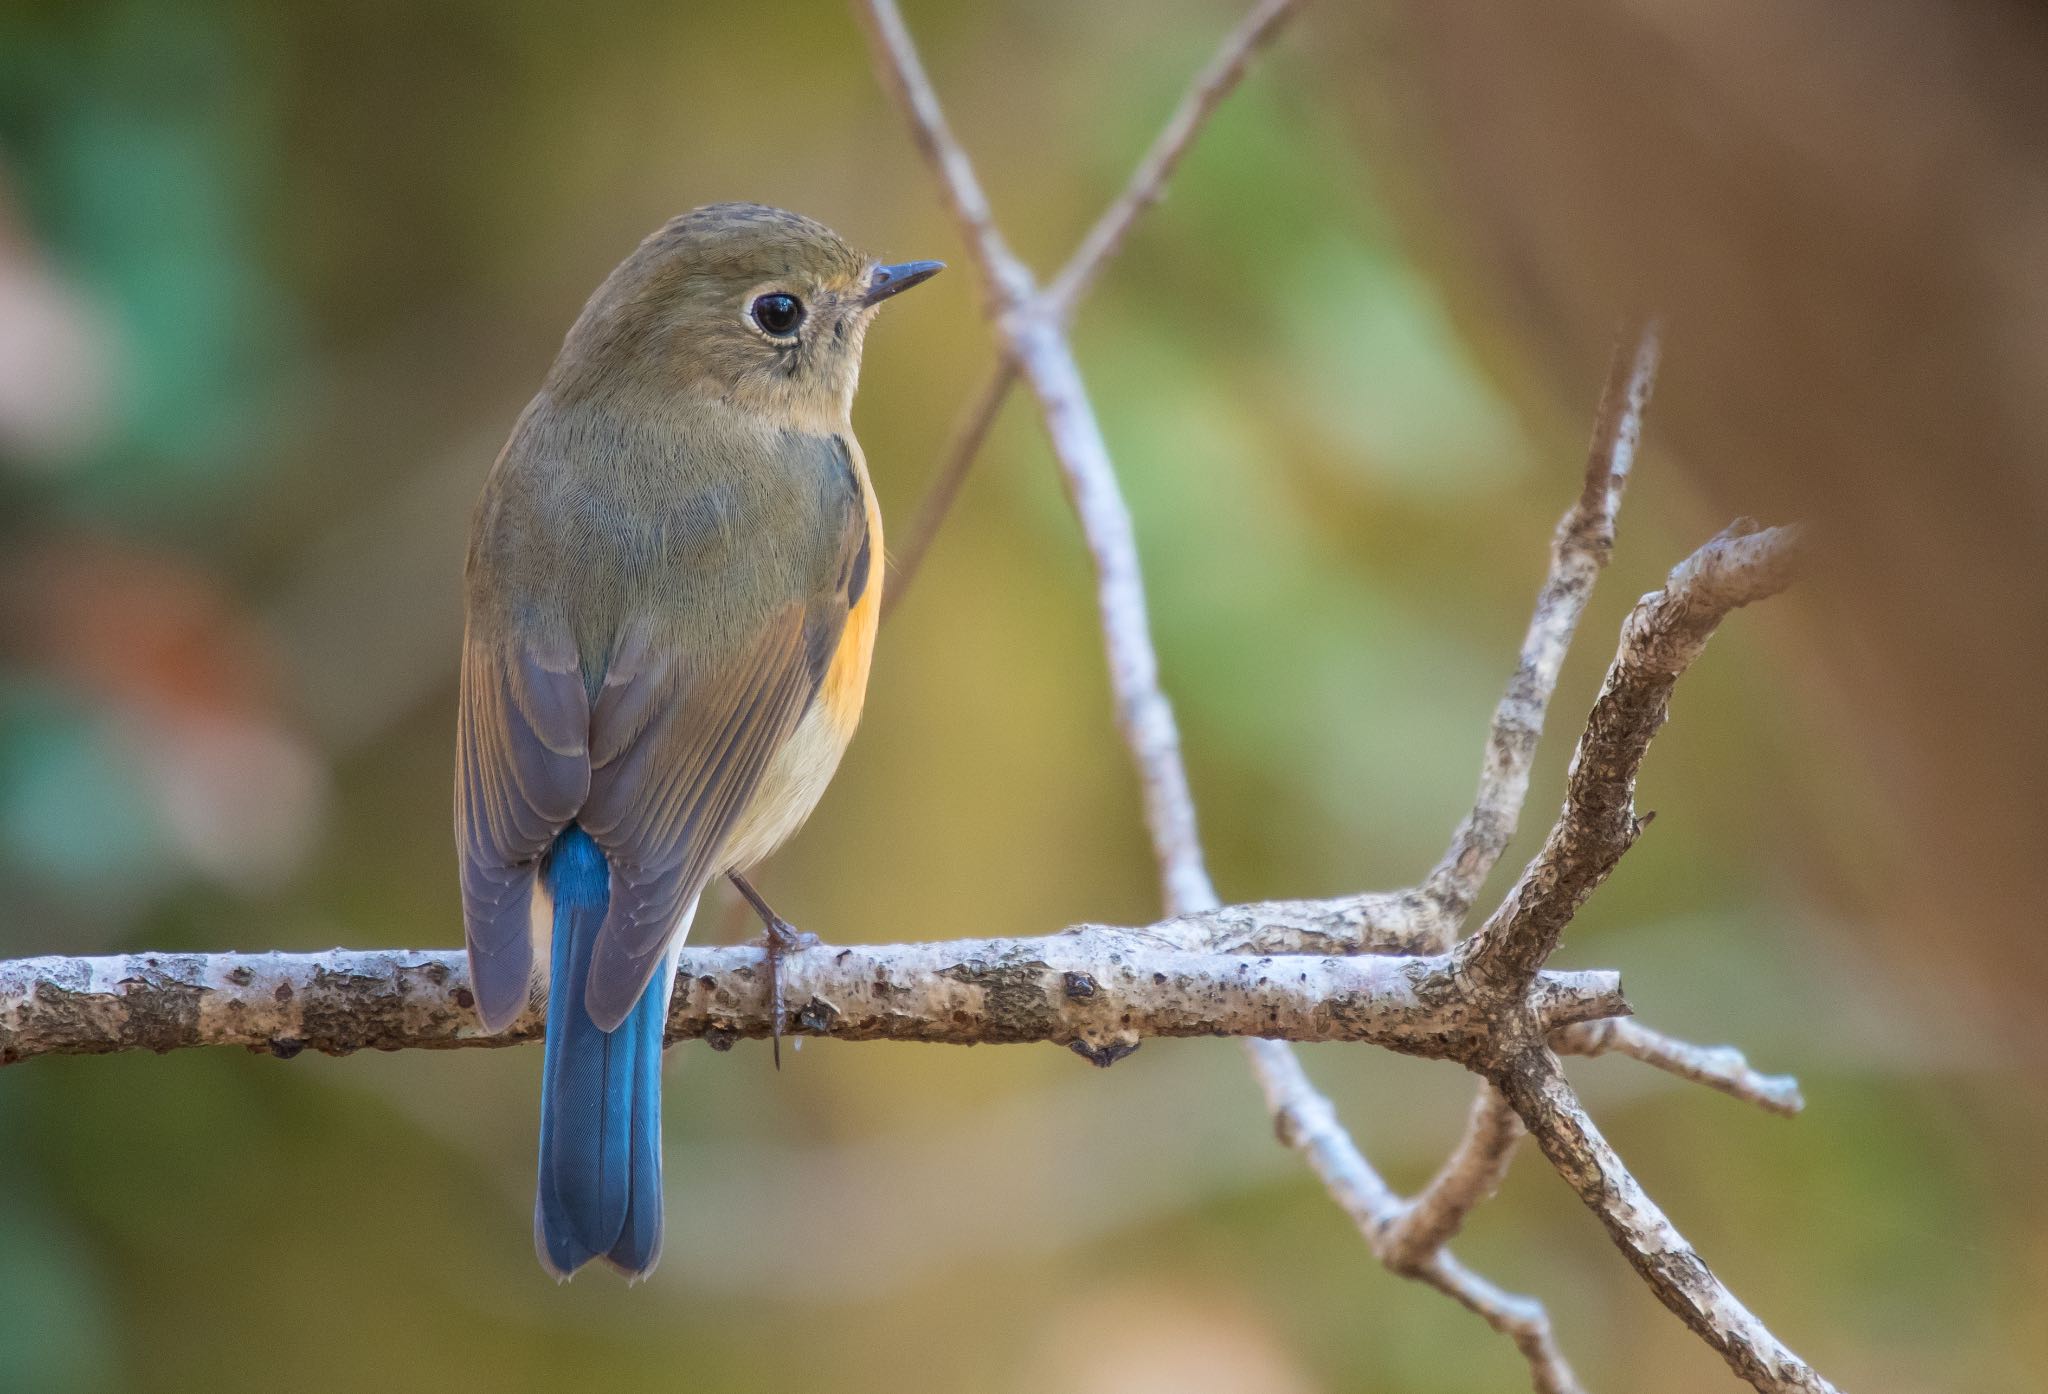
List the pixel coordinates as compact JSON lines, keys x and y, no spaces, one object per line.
{"x":330,"y":251}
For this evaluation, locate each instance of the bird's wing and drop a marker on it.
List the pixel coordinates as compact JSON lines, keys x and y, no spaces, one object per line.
{"x":522,"y":772}
{"x":680,"y":737}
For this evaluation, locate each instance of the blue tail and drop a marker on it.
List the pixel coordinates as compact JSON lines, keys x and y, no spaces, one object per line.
{"x":600,"y":1101}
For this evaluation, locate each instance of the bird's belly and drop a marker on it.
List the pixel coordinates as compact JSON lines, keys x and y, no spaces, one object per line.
{"x":790,"y":787}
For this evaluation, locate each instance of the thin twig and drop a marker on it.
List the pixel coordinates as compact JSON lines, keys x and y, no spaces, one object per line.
{"x":1305,"y":1121}
{"x":1468,"y":1178}
{"x":1536,"y":1087}
{"x":1722,"y":1068}
{"x":1012,"y":286}
{"x":1147,"y":184}
{"x":1666,"y":631}
{"x":961,"y":449}
{"x":1006,"y":281}
{"x":1578,"y":553}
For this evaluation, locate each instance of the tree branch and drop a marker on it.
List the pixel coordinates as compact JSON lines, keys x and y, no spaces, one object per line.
{"x":1146,"y":186}
{"x":1718,"y":1067}
{"x":1578,"y":553}
{"x":1536,"y":1087}
{"x":1093,"y":988}
{"x":1304,"y":1120}
{"x":1468,"y":1177}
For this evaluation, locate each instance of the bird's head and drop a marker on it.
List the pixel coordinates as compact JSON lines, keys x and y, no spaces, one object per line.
{"x":758,"y":307}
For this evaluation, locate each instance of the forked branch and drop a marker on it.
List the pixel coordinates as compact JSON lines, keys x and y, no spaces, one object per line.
{"x":1505,"y":960}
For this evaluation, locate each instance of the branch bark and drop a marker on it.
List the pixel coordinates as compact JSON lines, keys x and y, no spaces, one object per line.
{"x":1095,"y":989}
{"x":1722,"y":1068}
{"x":1468,"y":1177}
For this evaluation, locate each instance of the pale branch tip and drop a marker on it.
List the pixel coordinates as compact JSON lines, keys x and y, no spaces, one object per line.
{"x":1722,"y":1067}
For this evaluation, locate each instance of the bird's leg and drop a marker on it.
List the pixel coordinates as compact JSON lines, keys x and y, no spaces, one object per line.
{"x":783,"y":937}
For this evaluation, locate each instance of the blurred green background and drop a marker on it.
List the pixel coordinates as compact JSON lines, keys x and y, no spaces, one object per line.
{"x":275,"y":280}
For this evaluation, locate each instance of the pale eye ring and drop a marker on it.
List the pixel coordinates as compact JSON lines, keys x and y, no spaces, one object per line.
{"x":778,"y":313}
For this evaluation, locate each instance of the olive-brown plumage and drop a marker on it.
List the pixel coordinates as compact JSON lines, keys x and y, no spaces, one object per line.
{"x":670,"y":600}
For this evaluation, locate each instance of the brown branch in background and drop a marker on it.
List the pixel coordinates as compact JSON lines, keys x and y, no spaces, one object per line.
{"x":1146,"y":186}
{"x":961,"y":449}
{"x":1662,"y":636}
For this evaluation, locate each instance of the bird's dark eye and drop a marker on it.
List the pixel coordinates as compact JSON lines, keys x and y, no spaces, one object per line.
{"x":778,"y":314}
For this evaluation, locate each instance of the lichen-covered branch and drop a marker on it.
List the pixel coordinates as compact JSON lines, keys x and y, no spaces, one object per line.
{"x":1666,"y":631}
{"x":1095,"y":989}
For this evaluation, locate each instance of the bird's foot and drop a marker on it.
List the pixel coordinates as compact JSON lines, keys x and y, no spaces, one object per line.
{"x":781,"y":938}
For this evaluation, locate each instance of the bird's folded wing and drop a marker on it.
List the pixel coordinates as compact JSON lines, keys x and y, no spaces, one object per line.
{"x":679,"y":749}
{"x":522,"y":772}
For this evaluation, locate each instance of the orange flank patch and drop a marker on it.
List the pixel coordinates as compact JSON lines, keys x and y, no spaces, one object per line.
{"x":846,"y":682}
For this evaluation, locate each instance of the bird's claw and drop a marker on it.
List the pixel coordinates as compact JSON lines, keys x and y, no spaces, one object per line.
{"x":782,"y":938}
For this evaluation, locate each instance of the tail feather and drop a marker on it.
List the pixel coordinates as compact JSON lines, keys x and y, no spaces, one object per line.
{"x":600,"y":1123}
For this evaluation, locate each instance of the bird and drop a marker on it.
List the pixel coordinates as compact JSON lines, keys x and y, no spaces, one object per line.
{"x":670,"y":599}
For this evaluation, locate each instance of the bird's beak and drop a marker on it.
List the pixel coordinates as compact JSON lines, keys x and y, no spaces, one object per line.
{"x":886,"y":281}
